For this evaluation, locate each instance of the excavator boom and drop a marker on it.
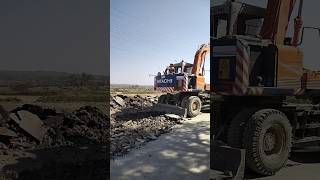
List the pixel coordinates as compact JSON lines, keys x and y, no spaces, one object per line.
{"x":199,"y":59}
{"x":276,"y":20}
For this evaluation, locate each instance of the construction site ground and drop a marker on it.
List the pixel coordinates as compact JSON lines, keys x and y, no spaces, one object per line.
{"x":182,"y":153}
{"x":301,"y":166}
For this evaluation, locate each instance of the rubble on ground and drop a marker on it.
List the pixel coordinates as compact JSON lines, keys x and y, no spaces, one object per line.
{"x":120,"y":102}
{"x":129,"y":125}
{"x":58,"y":139}
{"x":33,"y":127}
{"x":132,"y":127}
{"x":22,"y":128}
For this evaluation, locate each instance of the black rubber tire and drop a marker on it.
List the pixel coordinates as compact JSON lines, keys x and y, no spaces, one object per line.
{"x":237,"y":125}
{"x":184,"y":102}
{"x":162,"y":99}
{"x":260,"y":123}
{"x":191,"y":111}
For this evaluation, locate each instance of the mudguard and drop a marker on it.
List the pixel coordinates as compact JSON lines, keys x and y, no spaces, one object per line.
{"x":226,"y":162}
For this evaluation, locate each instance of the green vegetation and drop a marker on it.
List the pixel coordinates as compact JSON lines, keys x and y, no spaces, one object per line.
{"x":131,"y":89}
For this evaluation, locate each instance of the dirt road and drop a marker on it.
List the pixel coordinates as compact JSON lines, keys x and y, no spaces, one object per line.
{"x":301,"y":166}
{"x":181,"y":154}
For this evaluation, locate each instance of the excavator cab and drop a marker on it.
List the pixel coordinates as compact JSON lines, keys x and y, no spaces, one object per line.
{"x":179,"y":68}
{"x":250,"y":51}
{"x":236,"y":18}
{"x":241,"y":58}
{"x":174,"y":78}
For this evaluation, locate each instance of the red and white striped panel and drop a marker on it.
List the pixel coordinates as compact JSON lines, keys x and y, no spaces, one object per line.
{"x":165,"y":89}
{"x":242,"y":70}
{"x":185,"y":83}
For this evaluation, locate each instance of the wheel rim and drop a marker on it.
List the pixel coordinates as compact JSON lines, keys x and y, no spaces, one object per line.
{"x":274,"y":140}
{"x":195,"y":105}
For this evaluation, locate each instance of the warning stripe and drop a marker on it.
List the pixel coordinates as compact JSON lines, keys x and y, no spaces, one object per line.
{"x":165,"y":89}
{"x":242,"y":74}
{"x":185,"y":84}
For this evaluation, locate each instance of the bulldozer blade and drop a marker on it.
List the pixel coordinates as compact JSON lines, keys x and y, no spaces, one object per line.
{"x":170,"y":109}
{"x":227,"y":163}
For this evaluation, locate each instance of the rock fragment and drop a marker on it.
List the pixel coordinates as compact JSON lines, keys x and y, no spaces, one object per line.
{"x":31,"y":124}
{"x":7,"y":132}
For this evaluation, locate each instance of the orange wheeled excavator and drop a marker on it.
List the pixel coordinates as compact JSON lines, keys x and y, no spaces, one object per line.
{"x":184,"y":83}
{"x":255,"y":67}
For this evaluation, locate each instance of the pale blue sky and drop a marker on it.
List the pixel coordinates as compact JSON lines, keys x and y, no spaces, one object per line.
{"x":148,"y":35}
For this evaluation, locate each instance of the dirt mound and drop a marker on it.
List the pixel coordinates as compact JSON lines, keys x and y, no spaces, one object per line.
{"x":132,"y":127}
{"x":37,"y":143}
{"x":87,"y":125}
{"x":120,"y":102}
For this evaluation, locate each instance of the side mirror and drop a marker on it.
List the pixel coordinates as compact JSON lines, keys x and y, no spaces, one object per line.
{"x":312,"y":28}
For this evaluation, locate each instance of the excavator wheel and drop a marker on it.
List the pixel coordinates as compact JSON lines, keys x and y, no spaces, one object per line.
{"x":193,"y":105}
{"x":237,"y":126}
{"x":162,"y":99}
{"x":267,"y":139}
{"x":184,"y":101}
